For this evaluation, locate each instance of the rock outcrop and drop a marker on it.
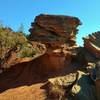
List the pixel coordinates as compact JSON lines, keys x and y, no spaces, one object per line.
{"x":97,"y":80}
{"x":92,"y":43}
{"x":12,"y":57}
{"x":58,"y":33}
{"x":60,"y":70}
{"x":84,"y":88}
{"x":58,"y":88}
{"x":74,"y":86}
{"x":94,"y":71}
{"x":48,"y":28}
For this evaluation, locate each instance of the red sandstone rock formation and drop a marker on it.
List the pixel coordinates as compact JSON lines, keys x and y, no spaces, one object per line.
{"x":11,"y":57}
{"x":54,"y":28}
{"x":58,"y":33}
{"x":60,"y":57}
{"x":92,"y":43}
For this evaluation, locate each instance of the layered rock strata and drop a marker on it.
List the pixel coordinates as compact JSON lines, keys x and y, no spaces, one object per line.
{"x":65,"y":71}
{"x":92,"y":43}
{"x":48,"y":28}
{"x":58,"y":33}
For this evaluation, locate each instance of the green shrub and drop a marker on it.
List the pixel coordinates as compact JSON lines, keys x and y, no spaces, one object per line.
{"x":9,"y":39}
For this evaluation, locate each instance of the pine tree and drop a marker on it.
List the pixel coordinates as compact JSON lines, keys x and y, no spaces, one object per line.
{"x":21,"y":28}
{"x":1,"y":24}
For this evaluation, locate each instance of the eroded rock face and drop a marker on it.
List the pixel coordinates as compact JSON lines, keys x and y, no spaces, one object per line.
{"x":72,"y":72}
{"x":74,"y":86}
{"x":83,"y":89}
{"x":58,"y":87}
{"x":54,"y":28}
{"x":58,"y":33}
{"x":95,"y":76}
{"x":92,"y":43}
{"x":12,"y":56}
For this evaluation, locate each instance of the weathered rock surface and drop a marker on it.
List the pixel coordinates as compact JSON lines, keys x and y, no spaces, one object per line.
{"x":58,"y":33}
{"x":63,"y":81}
{"x":74,"y":86}
{"x":59,"y":86}
{"x":12,"y":56}
{"x":60,"y":71}
{"x":92,"y":43}
{"x":83,"y":89}
{"x":95,"y":76}
{"x":54,"y":28}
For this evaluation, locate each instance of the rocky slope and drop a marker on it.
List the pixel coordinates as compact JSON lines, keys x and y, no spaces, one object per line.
{"x":60,"y":71}
{"x":15,"y":48}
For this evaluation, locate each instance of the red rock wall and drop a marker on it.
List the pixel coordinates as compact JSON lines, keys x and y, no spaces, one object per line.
{"x":54,"y":27}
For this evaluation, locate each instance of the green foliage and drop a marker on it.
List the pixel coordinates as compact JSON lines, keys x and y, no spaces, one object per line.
{"x":26,"y":51}
{"x":9,"y":39}
{"x":1,"y":24}
{"x":21,"y":28}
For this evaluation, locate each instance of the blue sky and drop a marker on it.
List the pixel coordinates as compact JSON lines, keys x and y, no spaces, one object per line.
{"x":15,"y":12}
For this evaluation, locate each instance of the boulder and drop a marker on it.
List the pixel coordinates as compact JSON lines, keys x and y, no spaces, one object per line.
{"x":73,"y":86}
{"x":59,"y":86}
{"x":83,"y":89}
{"x":95,"y":76}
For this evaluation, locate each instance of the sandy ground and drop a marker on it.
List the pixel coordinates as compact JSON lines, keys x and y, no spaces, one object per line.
{"x":33,"y":92}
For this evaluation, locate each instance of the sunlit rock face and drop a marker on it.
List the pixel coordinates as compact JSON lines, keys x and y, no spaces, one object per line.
{"x":60,"y":68}
{"x":12,"y":57}
{"x":58,"y":33}
{"x":92,"y":43}
{"x":74,"y":86}
{"x":50,"y":28}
